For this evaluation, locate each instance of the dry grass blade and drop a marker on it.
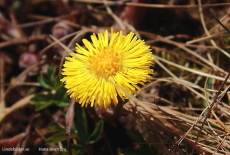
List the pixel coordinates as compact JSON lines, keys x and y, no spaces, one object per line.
{"x":60,"y":43}
{"x":23,"y":41}
{"x":20,"y":79}
{"x":2,"y":75}
{"x":204,"y":38}
{"x":148,"y":5}
{"x":149,"y":113}
{"x":19,"y":104}
{"x":175,"y":77}
{"x":211,"y":107}
{"x":207,"y":32}
{"x":118,"y":20}
{"x":181,"y":46}
{"x":69,"y":122}
{"x":172,"y":122}
{"x":191,"y":70}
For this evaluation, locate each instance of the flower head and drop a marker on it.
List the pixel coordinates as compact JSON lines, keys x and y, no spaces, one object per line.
{"x":95,"y":74}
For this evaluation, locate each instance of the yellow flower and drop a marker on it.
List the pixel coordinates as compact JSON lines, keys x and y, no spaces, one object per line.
{"x":109,"y":67}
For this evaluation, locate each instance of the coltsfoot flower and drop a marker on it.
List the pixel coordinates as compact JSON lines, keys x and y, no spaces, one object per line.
{"x":110,"y":66}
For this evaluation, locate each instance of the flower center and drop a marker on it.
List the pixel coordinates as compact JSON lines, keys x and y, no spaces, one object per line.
{"x":105,"y":63}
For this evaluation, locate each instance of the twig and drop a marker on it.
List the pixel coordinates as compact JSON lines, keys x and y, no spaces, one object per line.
{"x":204,"y":38}
{"x":210,"y":108}
{"x":181,"y":56}
{"x":151,"y":5}
{"x":77,"y":36}
{"x":48,"y":20}
{"x":118,"y":20}
{"x":20,"y":78}
{"x":2,"y":75}
{"x":191,"y":70}
{"x":207,"y":32}
{"x":23,"y":40}
{"x":50,"y":45}
{"x":16,"y":105}
{"x":181,"y":46}
{"x":222,"y":141}
{"x":220,"y":23}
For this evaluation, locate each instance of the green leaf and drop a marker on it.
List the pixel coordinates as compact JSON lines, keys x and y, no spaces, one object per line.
{"x":39,"y":98}
{"x":60,"y":94}
{"x":77,"y":149}
{"x":208,"y":85}
{"x":43,"y":106}
{"x":56,"y":127}
{"x":63,"y":103}
{"x":51,"y":73}
{"x":62,"y":152}
{"x":41,"y":101}
{"x":81,"y":123}
{"x":186,"y":148}
{"x":57,"y":138}
{"x":96,"y":132}
{"x":45,"y":83}
{"x":51,"y":82}
{"x":60,"y":97}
